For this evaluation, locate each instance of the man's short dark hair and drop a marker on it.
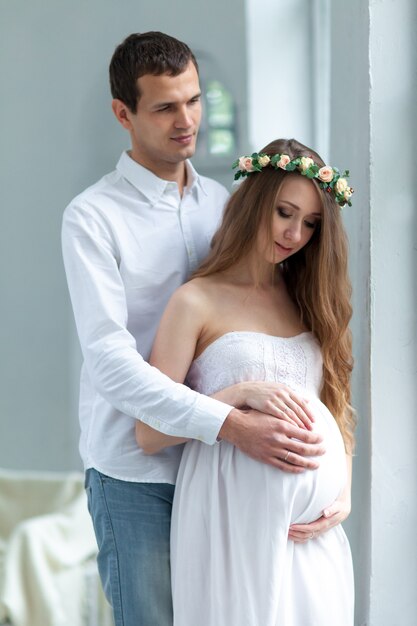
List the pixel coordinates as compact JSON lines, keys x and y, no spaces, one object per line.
{"x":145,"y":53}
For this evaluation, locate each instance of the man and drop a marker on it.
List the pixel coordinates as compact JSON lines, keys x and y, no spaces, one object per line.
{"x":128,"y":242}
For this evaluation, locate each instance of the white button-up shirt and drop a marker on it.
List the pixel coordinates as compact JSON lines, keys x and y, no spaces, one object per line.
{"x":128,"y":242}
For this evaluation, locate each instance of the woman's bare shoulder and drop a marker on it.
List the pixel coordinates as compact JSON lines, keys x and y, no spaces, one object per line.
{"x":197,"y":291}
{"x":193,"y":297}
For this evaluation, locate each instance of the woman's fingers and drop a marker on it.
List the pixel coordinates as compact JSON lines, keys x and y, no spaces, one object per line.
{"x":290,"y":416}
{"x":296,"y":408}
{"x":280,"y":401}
{"x":332,"y":516}
{"x":301,"y":407}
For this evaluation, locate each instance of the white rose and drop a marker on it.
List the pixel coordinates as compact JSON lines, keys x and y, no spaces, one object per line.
{"x":263,"y":160}
{"x":341,"y":185}
{"x":306,"y":162}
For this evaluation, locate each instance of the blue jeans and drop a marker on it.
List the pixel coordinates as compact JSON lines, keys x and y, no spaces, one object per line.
{"x":132,"y":526}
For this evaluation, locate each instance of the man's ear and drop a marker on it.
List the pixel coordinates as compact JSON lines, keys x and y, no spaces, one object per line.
{"x":122,"y":113}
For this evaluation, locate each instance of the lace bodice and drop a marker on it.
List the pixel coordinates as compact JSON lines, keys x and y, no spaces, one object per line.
{"x":244,"y":355}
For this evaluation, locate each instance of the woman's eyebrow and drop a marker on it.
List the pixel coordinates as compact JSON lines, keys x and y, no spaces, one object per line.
{"x":297,"y":208}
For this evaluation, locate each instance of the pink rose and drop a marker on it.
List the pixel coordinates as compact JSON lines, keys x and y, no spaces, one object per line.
{"x":326,"y":174}
{"x":245,"y":164}
{"x":283,"y":162}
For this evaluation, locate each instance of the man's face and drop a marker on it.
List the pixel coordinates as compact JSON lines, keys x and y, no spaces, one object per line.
{"x":165,"y":126}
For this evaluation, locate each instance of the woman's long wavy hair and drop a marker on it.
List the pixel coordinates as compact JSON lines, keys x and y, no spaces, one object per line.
{"x":316,"y":276}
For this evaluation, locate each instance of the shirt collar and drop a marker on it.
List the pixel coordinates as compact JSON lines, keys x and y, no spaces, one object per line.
{"x":194,"y":180}
{"x":150,"y":185}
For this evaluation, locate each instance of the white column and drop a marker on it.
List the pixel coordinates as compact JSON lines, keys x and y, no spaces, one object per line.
{"x":373,"y":130}
{"x":393,"y":311}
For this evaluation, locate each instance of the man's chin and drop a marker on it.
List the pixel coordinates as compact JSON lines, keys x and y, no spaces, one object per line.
{"x":185,"y":152}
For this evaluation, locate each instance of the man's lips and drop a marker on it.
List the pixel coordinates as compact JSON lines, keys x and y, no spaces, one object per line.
{"x":183,"y":139}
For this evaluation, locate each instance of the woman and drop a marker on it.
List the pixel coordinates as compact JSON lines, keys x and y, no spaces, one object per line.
{"x":271,"y":303}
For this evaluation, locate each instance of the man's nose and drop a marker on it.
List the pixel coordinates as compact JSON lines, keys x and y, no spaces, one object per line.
{"x":183,"y":118}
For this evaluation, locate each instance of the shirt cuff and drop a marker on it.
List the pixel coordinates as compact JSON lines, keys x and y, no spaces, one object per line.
{"x":203,"y":422}
{"x":208,"y":418}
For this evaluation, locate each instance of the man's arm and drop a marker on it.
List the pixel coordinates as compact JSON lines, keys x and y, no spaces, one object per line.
{"x":116,"y":369}
{"x":259,"y":435}
{"x":271,"y":398}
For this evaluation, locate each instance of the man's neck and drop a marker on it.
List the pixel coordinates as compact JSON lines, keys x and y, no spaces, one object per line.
{"x":175,"y":172}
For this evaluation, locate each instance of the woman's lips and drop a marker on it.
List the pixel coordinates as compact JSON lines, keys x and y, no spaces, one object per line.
{"x":283,"y":248}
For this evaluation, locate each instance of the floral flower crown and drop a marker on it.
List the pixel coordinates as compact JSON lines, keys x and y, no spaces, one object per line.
{"x":329,"y":178}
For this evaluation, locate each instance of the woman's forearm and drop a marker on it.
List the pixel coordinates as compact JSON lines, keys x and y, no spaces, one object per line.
{"x":152,"y":441}
{"x":235,"y":395}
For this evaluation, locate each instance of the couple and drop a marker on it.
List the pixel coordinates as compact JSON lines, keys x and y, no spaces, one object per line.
{"x":249,"y":329}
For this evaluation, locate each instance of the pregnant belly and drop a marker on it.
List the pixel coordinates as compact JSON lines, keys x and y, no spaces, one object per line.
{"x":223,"y":478}
{"x":314,"y":490}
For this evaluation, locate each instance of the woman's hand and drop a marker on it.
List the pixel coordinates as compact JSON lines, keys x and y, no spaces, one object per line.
{"x":271,"y":398}
{"x":332,"y":516}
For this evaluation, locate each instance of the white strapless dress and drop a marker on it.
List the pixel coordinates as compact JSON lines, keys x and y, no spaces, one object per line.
{"x":232,"y":562}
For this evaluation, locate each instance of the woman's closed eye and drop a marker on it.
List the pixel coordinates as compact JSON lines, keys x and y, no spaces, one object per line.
{"x":311,"y":224}
{"x":283,"y":213}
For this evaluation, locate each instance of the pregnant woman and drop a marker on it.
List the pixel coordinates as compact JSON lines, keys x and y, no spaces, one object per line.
{"x":271,"y":304}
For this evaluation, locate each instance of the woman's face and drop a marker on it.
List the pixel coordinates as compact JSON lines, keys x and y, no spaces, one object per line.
{"x":296,"y":215}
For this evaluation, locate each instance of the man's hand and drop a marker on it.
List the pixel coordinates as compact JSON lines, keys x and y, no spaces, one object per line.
{"x":272,"y":441}
{"x":332,"y":516}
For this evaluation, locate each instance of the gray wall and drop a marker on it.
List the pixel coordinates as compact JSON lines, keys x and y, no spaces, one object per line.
{"x":58,"y":135}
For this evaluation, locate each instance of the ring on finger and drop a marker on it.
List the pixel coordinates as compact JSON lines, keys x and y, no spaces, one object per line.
{"x":312,"y":535}
{"x":286,"y":456}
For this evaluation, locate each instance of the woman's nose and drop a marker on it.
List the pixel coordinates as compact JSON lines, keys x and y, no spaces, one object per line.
{"x":293,"y":232}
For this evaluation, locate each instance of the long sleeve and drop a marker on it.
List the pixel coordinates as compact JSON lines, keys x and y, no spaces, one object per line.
{"x":117,"y":371}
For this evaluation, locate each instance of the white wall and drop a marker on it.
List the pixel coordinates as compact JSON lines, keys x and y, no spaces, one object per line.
{"x":373,"y":127}
{"x":280,"y":75}
{"x":58,"y":135}
{"x":393,"y":106}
